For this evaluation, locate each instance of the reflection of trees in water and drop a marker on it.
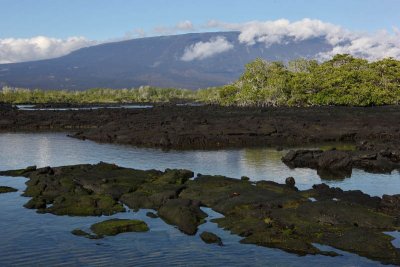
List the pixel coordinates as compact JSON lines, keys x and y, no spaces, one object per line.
{"x":260,"y":156}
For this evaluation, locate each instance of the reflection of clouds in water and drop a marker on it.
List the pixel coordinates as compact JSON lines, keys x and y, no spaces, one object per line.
{"x":43,"y":152}
{"x":21,"y":150}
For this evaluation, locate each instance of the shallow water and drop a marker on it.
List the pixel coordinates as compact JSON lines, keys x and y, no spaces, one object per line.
{"x":33,"y":108}
{"x":28,"y":238}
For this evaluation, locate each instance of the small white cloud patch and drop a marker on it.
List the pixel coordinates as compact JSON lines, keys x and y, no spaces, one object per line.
{"x":17,"y":50}
{"x":202,"y":50}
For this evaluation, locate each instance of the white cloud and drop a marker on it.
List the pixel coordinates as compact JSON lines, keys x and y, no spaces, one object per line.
{"x":183,"y":26}
{"x":202,"y":50}
{"x":371,"y":46}
{"x":40,"y":47}
{"x":186,"y":25}
{"x":135,"y":33}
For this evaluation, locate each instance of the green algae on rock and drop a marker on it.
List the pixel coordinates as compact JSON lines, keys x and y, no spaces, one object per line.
{"x":184,"y":213}
{"x":264,"y":213}
{"x":211,"y":238}
{"x":116,"y":226}
{"x":7,"y":189}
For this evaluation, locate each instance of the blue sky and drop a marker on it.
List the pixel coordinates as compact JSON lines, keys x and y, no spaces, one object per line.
{"x":41,"y":29}
{"x":105,"y":19}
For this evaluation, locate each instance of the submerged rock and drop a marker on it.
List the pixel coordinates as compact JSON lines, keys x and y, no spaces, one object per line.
{"x":211,"y":238}
{"x":7,"y":189}
{"x":79,"y":232}
{"x":151,"y":215}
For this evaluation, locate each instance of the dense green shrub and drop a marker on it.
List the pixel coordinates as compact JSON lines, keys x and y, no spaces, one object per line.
{"x":343,"y":80}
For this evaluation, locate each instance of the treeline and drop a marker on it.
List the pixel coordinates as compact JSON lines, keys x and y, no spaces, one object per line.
{"x":141,"y":94}
{"x":343,"y":80}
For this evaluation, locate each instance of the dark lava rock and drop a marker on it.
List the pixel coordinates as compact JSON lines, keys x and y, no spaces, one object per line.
{"x":334,"y":160}
{"x":335,"y":164}
{"x":7,"y":189}
{"x":212,"y":126}
{"x":45,"y":170}
{"x":211,"y":238}
{"x":391,"y":204}
{"x":290,"y":181}
{"x":184,"y":213}
{"x":6,"y":107}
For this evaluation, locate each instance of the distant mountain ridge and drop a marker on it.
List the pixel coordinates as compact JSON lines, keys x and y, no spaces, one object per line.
{"x":154,"y":61}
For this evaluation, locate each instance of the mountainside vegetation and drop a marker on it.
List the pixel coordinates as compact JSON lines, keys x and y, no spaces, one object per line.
{"x":343,"y":80}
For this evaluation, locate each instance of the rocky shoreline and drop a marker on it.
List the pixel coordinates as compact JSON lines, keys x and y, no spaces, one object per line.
{"x":335,"y":164}
{"x":213,"y":127}
{"x":264,"y":213}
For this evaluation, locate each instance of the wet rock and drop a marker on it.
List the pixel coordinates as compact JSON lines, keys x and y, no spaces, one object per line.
{"x":334,"y":160}
{"x":336,"y":164}
{"x":79,"y":232}
{"x":185,"y":214}
{"x":290,"y":182}
{"x":116,"y":226}
{"x":302,"y":158}
{"x":151,"y":215}
{"x":211,"y":238}
{"x":7,"y":189}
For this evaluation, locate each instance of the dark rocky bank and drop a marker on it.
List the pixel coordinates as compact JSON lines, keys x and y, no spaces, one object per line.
{"x":181,"y":127}
{"x":263,"y":213}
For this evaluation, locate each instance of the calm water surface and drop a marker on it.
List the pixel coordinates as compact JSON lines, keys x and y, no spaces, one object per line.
{"x":28,"y":238}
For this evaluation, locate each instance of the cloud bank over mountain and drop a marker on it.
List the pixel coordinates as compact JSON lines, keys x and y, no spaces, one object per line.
{"x":18,"y":49}
{"x":371,"y":46}
{"x":202,"y":50}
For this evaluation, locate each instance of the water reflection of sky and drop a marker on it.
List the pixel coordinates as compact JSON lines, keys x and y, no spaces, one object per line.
{"x":21,"y":150}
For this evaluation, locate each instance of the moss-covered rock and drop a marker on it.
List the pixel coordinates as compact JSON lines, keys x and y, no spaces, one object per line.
{"x":7,"y":189}
{"x":183,"y":213}
{"x":211,"y":238}
{"x":116,"y":226}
